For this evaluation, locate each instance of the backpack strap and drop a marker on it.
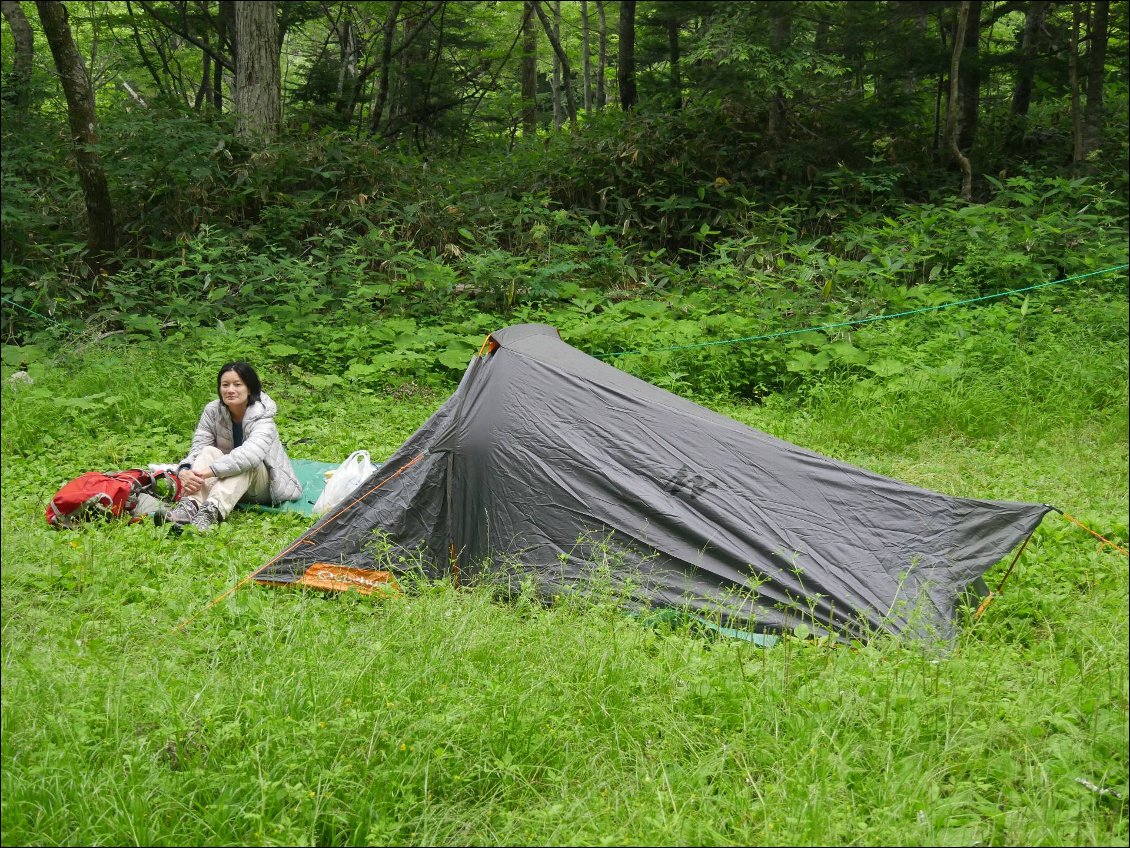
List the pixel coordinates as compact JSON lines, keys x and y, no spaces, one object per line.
{"x":145,"y":481}
{"x":172,"y":479}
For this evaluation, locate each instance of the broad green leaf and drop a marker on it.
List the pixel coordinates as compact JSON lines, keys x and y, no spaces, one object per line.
{"x":455,"y":358}
{"x":849,"y":353}
{"x":886,"y":367}
{"x":282,"y":349}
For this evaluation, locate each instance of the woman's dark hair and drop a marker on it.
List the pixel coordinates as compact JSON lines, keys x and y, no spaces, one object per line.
{"x":247,"y":374}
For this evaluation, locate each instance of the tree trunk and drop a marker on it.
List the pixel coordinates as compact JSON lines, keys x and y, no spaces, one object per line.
{"x":673,"y":56}
{"x":386,"y":66}
{"x":257,"y":98}
{"x":602,"y":55}
{"x":404,"y":50}
{"x":820,"y":36}
{"x":80,"y":111}
{"x":427,"y":111}
{"x":941,"y":153}
{"x":1026,"y":62}
{"x":779,"y":36}
{"x":970,"y":79}
{"x":529,"y":70}
{"x":953,"y":106}
{"x":225,"y":28}
{"x":921,"y":27}
{"x":586,"y":64}
{"x":350,"y":50}
{"x":626,"y":66}
{"x":24,"y":42}
{"x":143,"y":54}
{"x":1073,"y":82}
{"x":555,"y":43}
{"x":602,"y":59}
{"x":555,"y":80}
{"x":896,"y":83}
{"x":1096,"y":66}
{"x":204,"y":91}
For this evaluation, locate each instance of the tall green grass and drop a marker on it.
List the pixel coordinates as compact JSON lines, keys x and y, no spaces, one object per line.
{"x":443,"y":716}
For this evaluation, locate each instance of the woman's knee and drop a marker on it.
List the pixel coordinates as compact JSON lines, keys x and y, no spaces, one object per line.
{"x":206,"y":457}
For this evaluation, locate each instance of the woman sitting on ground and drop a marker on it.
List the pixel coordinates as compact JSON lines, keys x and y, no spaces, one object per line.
{"x":236,"y":455}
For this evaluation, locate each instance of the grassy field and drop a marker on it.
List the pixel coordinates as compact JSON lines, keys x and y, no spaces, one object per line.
{"x":442,"y":716}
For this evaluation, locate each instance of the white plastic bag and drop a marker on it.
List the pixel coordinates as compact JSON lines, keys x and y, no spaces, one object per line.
{"x":347,"y":477}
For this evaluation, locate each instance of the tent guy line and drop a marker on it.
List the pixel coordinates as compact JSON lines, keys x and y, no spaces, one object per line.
{"x":1102,"y":539}
{"x":857,"y":321}
{"x":779,"y":334}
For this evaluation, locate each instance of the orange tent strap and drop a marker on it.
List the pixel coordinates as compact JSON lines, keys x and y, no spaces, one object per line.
{"x":1102,"y":539}
{"x":984,"y":605}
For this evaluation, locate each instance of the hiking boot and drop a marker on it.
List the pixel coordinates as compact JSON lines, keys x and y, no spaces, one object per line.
{"x":207,"y":517}
{"x":179,"y":514}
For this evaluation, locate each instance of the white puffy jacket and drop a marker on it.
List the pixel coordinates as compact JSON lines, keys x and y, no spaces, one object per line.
{"x":261,"y":444}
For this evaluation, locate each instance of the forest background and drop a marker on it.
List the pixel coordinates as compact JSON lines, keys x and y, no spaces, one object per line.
{"x":723,"y":198}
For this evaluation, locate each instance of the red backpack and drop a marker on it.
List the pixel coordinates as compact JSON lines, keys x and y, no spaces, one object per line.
{"x":108,"y":495}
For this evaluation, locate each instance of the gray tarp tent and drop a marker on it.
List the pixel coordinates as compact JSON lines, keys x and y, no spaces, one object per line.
{"x":547,"y":463}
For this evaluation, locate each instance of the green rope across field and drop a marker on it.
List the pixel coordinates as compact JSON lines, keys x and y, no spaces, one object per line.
{"x":856,"y":321}
{"x":852,"y":323}
{"x":30,"y":311}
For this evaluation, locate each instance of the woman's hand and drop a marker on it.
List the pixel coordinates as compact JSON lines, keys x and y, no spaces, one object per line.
{"x":193,"y":481}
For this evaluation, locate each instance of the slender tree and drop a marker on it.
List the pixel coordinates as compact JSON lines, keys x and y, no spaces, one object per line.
{"x":554,"y":34}
{"x":970,"y":79}
{"x":24,"y":42}
{"x":410,"y":33}
{"x":953,"y":108}
{"x":218,"y":53}
{"x":586,"y":54}
{"x":1034,"y":16}
{"x":349,"y":48}
{"x":389,"y":36}
{"x":673,"y":59}
{"x":204,"y":90}
{"x":529,"y":69}
{"x":1096,"y":71}
{"x":780,"y":33}
{"x":626,"y":66}
{"x":102,"y":235}
{"x":563,"y":59}
{"x":225,"y":29}
{"x":602,"y":57}
{"x":1073,"y":83}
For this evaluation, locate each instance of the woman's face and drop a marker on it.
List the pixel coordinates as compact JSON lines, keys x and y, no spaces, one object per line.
{"x":233,"y":390}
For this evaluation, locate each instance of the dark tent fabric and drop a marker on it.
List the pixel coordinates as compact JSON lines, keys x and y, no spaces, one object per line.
{"x":549,"y":465}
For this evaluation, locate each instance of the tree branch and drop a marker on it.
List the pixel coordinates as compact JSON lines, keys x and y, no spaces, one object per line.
{"x":217,"y":56}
